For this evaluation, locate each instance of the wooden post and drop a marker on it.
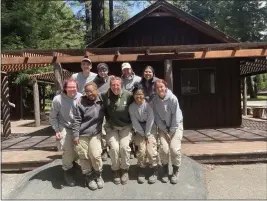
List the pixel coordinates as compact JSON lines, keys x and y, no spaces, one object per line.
{"x":168,"y":75}
{"x":244,"y":96}
{"x":21,"y":105}
{"x":58,"y":77}
{"x":43,"y":95}
{"x":5,"y":106}
{"x":36,"y":103}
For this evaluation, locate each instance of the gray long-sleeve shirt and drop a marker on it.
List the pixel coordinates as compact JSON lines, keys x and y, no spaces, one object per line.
{"x":142,"y":118}
{"x":79,"y":77}
{"x":61,"y":114}
{"x":102,"y":85}
{"x":167,"y":112}
{"x":128,"y":83}
{"x":88,"y":117}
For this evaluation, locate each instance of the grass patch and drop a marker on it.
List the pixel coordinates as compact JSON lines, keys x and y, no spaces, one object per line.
{"x":48,"y":103}
{"x":259,"y":98}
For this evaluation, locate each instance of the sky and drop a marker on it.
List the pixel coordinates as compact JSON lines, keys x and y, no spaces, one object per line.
{"x":136,"y":9}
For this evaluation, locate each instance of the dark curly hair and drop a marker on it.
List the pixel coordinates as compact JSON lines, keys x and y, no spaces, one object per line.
{"x":137,"y":86}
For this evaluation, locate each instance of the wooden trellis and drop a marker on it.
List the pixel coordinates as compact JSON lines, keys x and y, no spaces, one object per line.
{"x":50,"y":76}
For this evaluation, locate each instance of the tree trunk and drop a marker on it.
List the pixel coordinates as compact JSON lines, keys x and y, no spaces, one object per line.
{"x":98,"y":19}
{"x":111,"y":17}
{"x":87,"y":21}
{"x":251,"y":90}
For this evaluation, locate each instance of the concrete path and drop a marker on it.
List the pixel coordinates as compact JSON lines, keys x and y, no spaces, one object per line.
{"x":237,"y":182}
{"x":259,"y":103}
{"x":46,"y":183}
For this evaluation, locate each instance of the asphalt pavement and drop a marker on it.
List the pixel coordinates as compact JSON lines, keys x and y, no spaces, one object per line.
{"x":246,"y":181}
{"x":46,"y":182}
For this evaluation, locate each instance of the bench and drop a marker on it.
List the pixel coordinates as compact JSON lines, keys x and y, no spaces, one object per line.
{"x":259,"y":112}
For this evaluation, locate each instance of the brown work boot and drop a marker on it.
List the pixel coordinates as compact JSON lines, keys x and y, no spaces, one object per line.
{"x":90,"y":181}
{"x":68,"y":177}
{"x":174,"y":177}
{"x":165,"y":173}
{"x":153,"y":177}
{"x":99,"y":180}
{"x":116,"y":177}
{"x":141,"y":175}
{"x":124,"y":176}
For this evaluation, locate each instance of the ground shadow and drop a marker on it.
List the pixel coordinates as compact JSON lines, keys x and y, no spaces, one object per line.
{"x":55,"y":175}
{"x":48,"y":131}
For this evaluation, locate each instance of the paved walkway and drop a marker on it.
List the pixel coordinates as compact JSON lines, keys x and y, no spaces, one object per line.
{"x":39,"y":144}
{"x":44,"y":138}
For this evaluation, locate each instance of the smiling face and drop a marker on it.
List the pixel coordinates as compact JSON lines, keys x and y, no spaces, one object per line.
{"x":126,"y":72}
{"x":103,"y":72}
{"x":86,"y":66}
{"x":161,"y":89}
{"x":115,"y":86}
{"x":148,"y":74}
{"x":91,"y":92}
{"x":139,"y":97}
{"x":71,"y":89}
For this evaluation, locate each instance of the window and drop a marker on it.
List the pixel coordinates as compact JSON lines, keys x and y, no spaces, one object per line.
{"x":190,"y":81}
{"x":207,"y":80}
{"x":196,"y":81}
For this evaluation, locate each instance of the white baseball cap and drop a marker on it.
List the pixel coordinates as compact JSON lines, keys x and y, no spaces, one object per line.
{"x":125,"y":65}
{"x":87,"y":59}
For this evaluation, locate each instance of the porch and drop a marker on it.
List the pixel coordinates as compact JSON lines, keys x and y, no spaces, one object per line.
{"x":34,"y":148}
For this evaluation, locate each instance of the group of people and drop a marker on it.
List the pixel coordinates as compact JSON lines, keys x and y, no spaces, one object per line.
{"x":97,"y":111}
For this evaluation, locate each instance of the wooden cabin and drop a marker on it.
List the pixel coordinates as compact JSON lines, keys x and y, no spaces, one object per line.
{"x":208,"y":90}
{"x":202,"y":66}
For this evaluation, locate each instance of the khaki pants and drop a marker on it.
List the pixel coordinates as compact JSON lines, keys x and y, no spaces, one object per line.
{"x":103,"y":136}
{"x":89,"y":151}
{"x":66,"y":145}
{"x":173,"y":148}
{"x":118,"y":139}
{"x":147,"y":150}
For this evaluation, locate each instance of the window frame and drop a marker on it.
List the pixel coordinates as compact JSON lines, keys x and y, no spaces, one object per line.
{"x":198,"y":86}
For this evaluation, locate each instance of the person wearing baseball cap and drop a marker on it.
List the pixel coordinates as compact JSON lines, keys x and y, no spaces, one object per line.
{"x":128,"y":77}
{"x":85,"y":76}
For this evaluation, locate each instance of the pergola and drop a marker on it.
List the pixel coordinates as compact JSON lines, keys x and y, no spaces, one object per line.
{"x":253,"y":56}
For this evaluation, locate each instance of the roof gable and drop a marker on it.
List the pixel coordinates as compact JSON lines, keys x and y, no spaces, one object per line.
{"x":172,"y":11}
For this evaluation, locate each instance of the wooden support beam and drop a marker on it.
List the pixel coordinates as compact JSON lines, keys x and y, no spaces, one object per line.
{"x":153,"y":49}
{"x":168,"y":75}
{"x":36,"y":103}
{"x":58,"y":77}
{"x":117,"y":53}
{"x":244,"y":96}
{"x":21,"y":105}
{"x":160,"y":14}
{"x":43,"y":97}
{"x":139,"y":57}
{"x":5,"y":110}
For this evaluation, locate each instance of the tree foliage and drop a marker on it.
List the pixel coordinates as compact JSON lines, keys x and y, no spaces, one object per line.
{"x":39,"y":24}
